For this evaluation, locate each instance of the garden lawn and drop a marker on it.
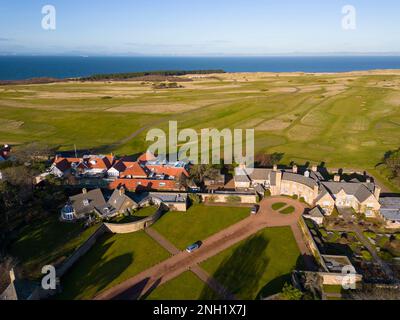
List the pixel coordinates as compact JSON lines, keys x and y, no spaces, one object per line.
{"x":258,"y":266}
{"x":287,"y":210}
{"x":198,"y":223}
{"x":137,"y":216}
{"x":47,"y":242}
{"x":187,"y":286}
{"x":278,"y":205}
{"x":112,"y":260}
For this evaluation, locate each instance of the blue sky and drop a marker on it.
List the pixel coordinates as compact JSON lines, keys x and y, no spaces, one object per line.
{"x":198,"y":27}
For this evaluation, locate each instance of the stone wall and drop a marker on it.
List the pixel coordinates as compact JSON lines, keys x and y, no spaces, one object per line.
{"x":311,"y":243}
{"x":85,"y":247}
{"x":135,"y":226}
{"x":39,"y":293}
{"x":225,"y":198}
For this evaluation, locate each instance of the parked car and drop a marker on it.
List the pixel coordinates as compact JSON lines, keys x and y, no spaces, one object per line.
{"x":254,"y":210}
{"x":193,"y":247}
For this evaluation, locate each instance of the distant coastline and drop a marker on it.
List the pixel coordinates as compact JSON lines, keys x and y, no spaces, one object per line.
{"x":59,"y":67}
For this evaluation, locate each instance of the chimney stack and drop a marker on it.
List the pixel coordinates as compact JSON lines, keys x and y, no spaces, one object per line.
{"x":337,"y":178}
{"x":84,"y":190}
{"x":377,"y":192}
{"x":275,"y":168}
{"x":368,"y":180}
{"x":294,"y":169}
{"x":121,"y":191}
{"x":314,"y":168}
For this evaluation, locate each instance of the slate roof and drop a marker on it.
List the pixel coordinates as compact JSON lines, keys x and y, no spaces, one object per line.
{"x":170,"y":197}
{"x":360,"y":191}
{"x":95,"y":200}
{"x":241,"y":175}
{"x":288,"y":176}
{"x":260,"y":174}
{"x":390,"y":208}
{"x":316,"y":213}
{"x":118,"y":199}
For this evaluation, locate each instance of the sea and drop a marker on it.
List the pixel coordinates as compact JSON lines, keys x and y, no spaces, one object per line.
{"x":26,"y":67}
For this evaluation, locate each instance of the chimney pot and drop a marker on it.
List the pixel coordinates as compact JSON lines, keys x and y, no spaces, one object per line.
{"x":337,"y":178}
{"x":294,"y":169}
{"x":314,"y":168}
{"x":84,"y":190}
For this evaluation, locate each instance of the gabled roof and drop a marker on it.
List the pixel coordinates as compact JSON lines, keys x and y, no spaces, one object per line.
{"x":241,"y":175}
{"x":288,"y":176}
{"x":63,"y":165}
{"x":94,"y":200}
{"x":259,"y":174}
{"x":95,"y":162}
{"x":360,"y":191}
{"x":148,"y":156}
{"x":118,"y":198}
{"x":316,"y":213}
{"x":167,"y":170}
{"x":134,"y":169}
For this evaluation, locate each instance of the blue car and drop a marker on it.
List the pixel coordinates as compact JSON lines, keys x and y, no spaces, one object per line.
{"x":192,"y":247}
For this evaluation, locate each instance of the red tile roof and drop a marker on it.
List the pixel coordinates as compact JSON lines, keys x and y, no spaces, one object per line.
{"x":148,"y":156}
{"x":134,"y":170}
{"x":170,"y":171}
{"x":148,"y":184}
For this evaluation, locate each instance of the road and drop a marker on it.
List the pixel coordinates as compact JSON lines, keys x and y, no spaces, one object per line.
{"x":143,"y":283}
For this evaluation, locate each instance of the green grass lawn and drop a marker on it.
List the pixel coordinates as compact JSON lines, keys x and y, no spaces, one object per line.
{"x":279,"y":205}
{"x":113,"y":259}
{"x":340,"y":122}
{"x":47,"y":242}
{"x":287,"y":210}
{"x":198,"y":223}
{"x":138,"y":215}
{"x":258,"y":266}
{"x":187,"y":286}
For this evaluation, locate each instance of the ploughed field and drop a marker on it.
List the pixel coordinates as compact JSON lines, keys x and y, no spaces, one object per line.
{"x":348,"y":119}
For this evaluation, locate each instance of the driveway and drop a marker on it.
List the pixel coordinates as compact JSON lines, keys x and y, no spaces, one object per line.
{"x":146,"y":281}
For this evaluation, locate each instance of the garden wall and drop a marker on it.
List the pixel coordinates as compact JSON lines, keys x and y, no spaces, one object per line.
{"x":135,"y":226}
{"x":39,"y":293}
{"x":311,"y":243}
{"x":228,"y":198}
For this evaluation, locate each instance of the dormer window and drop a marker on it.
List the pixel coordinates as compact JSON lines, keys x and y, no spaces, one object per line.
{"x":86,"y":202}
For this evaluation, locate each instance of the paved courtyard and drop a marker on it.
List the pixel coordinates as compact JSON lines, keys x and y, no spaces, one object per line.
{"x":181,"y":261}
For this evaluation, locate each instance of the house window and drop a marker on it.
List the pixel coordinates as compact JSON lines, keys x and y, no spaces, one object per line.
{"x":162,"y":184}
{"x":86,"y":202}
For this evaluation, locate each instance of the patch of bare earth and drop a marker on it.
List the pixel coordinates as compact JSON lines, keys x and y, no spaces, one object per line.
{"x":273,"y":125}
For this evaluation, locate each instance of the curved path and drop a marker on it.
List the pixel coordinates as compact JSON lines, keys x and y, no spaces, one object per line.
{"x":143,"y":283}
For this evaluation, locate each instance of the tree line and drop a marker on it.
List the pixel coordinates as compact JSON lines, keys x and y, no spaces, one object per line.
{"x":392,"y":162}
{"x":130,"y":75}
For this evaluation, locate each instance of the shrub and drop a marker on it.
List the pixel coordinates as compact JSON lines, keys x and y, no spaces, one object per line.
{"x":385,"y":255}
{"x":383,"y":241}
{"x":194,"y":198}
{"x":295,"y":197}
{"x":366,"y":255}
{"x":211,"y":198}
{"x":323,"y":233}
{"x":302,"y":200}
{"x":290,"y":293}
{"x":267,"y":193}
{"x":370,"y":234}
